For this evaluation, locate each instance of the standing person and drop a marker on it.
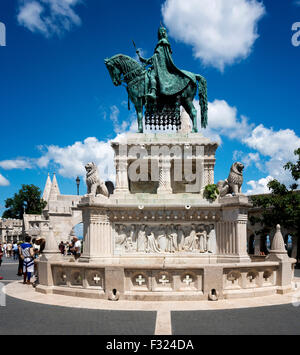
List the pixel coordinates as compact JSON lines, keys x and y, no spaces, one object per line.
{"x":9,"y":248}
{"x":15,"y":251}
{"x":27,"y":254}
{"x":20,"y":267}
{"x":62,"y":248}
{"x":70,"y":248}
{"x":77,"y":248}
{"x":1,"y":254}
{"x":67,"y":249}
{"x":39,"y":247}
{"x":5,"y":249}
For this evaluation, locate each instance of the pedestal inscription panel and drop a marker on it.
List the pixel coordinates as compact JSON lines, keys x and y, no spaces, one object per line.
{"x":164,"y":238}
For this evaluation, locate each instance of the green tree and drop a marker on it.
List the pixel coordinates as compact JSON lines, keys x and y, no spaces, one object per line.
{"x":28,"y":199}
{"x":282,"y":205}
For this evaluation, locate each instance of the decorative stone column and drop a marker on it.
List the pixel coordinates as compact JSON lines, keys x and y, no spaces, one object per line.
{"x":165,"y":176}
{"x":233,"y":229}
{"x":121,"y":175}
{"x":97,"y":234}
{"x":211,"y":174}
{"x":51,"y":247}
{"x":206,"y":175}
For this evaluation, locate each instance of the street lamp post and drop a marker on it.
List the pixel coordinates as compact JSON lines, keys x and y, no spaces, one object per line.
{"x":78,"y":183}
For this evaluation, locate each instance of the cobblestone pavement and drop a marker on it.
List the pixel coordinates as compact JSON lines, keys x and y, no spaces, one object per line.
{"x":48,"y":319}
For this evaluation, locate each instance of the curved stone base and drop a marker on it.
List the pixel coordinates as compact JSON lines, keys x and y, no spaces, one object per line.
{"x":160,"y":279}
{"x":28,"y":293}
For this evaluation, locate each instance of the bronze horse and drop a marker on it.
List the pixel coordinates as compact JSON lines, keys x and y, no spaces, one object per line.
{"x":124,"y":69}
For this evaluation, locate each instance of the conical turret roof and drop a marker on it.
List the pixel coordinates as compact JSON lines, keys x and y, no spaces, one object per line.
{"x":47,"y":189}
{"x":54,"y":192}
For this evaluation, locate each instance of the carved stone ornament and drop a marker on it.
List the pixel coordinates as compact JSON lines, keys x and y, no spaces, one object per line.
{"x":95,"y":186}
{"x":157,"y":239}
{"x":233,"y":185}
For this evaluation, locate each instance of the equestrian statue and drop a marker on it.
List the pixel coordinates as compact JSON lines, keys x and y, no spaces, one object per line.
{"x":159,"y":86}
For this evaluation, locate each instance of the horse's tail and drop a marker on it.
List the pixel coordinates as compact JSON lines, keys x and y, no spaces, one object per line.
{"x":202,"y":87}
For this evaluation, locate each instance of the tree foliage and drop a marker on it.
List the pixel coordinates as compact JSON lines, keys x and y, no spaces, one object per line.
{"x":282,"y":205}
{"x":28,"y":199}
{"x":211,"y":192}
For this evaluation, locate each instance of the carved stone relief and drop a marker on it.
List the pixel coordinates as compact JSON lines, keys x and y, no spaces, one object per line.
{"x":162,"y":238}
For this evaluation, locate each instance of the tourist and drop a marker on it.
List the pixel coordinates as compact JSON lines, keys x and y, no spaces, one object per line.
{"x":70,"y":247}
{"x":27,"y":254}
{"x":76,"y":248}
{"x":9,"y":249}
{"x":15,"y":251}
{"x":5,"y":249}
{"x":20,"y":266}
{"x":40,"y":243}
{"x":67,"y":249}
{"x":1,"y":254}
{"x":62,"y":248}
{"x":39,"y":247}
{"x":36,"y":248}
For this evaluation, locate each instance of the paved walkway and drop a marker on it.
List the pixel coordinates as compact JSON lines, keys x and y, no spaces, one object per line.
{"x":55,"y":314}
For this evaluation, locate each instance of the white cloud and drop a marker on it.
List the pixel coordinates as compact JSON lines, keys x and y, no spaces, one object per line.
{"x":268,"y":142}
{"x":279,"y":146}
{"x":16,"y":164}
{"x":71,"y":160}
{"x":224,"y":121}
{"x":260,"y":186}
{"x":220,"y":32}
{"x":248,"y":159}
{"x":48,"y":17}
{"x":114,"y":116}
{"x":272,"y":149}
{"x":3,"y":181}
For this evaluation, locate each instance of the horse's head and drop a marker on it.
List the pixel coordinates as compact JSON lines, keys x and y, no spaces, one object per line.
{"x":114,"y":71}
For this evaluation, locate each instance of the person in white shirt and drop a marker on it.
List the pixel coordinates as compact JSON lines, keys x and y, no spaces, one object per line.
{"x":77,"y":248}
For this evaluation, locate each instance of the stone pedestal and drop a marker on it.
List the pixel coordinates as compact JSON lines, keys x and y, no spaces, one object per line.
{"x":232,"y":229}
{"x":157,"y":238}
{"x":97,"y":233}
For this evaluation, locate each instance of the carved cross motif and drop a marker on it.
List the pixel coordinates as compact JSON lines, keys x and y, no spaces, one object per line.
{"x":63,"y":277}
{"x":164,"y":280}
{"x":96,"y":279}
{"x":188,"y":280}
{"x":140,"y":280}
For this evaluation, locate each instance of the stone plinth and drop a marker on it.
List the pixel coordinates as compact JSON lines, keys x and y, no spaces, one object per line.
{"x":157,"y":238}
{"x":164,"y":163}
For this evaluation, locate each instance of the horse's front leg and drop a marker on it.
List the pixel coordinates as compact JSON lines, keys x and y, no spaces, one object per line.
{"x":139,"y":112}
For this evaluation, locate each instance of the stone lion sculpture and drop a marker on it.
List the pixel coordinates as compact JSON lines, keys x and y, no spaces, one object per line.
{"x":233,"y":185}
{"x":95,"y":186}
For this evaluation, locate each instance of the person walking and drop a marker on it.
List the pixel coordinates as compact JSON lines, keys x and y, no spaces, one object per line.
{"x":15,"y":251}
{"x":27,"y":254}
{"x":20,"y":266}
{"x":1,"y":255}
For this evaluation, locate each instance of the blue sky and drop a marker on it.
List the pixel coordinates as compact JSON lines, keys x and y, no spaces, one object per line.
{"x":59,"y":107}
